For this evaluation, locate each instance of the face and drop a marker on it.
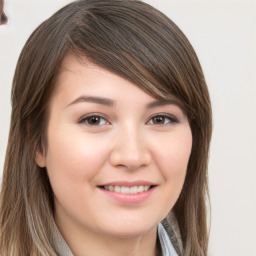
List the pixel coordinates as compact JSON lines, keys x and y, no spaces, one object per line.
{"x":116,"y":157}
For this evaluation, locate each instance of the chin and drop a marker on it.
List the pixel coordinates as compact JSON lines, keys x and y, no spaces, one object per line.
{"x":128,"y":230}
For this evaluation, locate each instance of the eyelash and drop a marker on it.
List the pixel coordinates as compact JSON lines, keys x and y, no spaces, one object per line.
{"x":172,"y":119}
{"x":99,"y":117}
{"x":85,"y":119}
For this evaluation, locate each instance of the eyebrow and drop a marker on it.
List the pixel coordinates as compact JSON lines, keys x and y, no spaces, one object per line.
{"x":112,"y":103}
{"x":158,"y":103}
{"x":92,"y":99}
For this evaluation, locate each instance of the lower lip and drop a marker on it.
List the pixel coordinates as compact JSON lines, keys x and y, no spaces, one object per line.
{"x":129,"y":198}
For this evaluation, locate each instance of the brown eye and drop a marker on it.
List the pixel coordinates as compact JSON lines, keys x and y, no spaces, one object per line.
{"x":93,"y":120}
{"x":158,"y":120}
{"x":162,"y":120}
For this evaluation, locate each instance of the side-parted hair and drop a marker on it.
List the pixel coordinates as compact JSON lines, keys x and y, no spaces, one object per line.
{"x":135,"y":41}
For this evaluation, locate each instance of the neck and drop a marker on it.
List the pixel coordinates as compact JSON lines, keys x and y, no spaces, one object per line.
{"x":84,"y":243}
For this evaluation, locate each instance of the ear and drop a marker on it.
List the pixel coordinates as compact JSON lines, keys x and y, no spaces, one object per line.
{"x":40,"y":159}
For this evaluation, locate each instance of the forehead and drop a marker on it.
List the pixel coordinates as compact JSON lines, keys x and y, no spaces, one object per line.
{"x":77,"y":75}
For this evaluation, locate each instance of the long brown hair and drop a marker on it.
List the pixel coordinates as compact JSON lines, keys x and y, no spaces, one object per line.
{"x":135,"y":41}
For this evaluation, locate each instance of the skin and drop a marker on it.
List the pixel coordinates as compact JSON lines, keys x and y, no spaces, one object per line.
{"x":126,"y":144}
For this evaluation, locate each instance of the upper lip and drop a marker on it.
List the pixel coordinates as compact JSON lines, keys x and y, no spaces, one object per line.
{"x":129,"y":183}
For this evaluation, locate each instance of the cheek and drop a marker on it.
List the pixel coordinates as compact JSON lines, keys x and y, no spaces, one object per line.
{"x":172,"y":156}
{"x":73,"y":159}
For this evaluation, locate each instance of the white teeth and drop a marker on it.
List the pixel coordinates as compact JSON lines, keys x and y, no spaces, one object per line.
{"x":140,"y":188}
{"x":134,"y":190}
{"x":127,"y":190}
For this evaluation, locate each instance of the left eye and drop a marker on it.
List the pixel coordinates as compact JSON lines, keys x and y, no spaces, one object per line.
{"x":162,"y":120}
{"x":94,"y":120}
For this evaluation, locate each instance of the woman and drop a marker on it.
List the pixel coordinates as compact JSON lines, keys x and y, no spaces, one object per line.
{"x":109,"y":137}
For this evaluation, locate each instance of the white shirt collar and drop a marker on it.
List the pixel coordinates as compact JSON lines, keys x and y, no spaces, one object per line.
{"x":166,"y":245}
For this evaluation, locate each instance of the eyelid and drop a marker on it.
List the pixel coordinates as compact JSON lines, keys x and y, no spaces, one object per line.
{"x":83,"y":118}
{"x":173,"y":119}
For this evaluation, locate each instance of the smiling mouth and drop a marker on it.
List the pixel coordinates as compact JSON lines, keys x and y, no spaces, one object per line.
{"x":127,"y":190}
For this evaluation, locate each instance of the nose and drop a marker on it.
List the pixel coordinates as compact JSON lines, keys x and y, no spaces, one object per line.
{"x":130,"y":150}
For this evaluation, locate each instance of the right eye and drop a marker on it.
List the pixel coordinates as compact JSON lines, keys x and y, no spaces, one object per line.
{"x":163,"y":119}
{"x":93,"y":120}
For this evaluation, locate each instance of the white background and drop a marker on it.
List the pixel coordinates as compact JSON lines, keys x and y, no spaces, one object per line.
{"x":223,"y":33}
